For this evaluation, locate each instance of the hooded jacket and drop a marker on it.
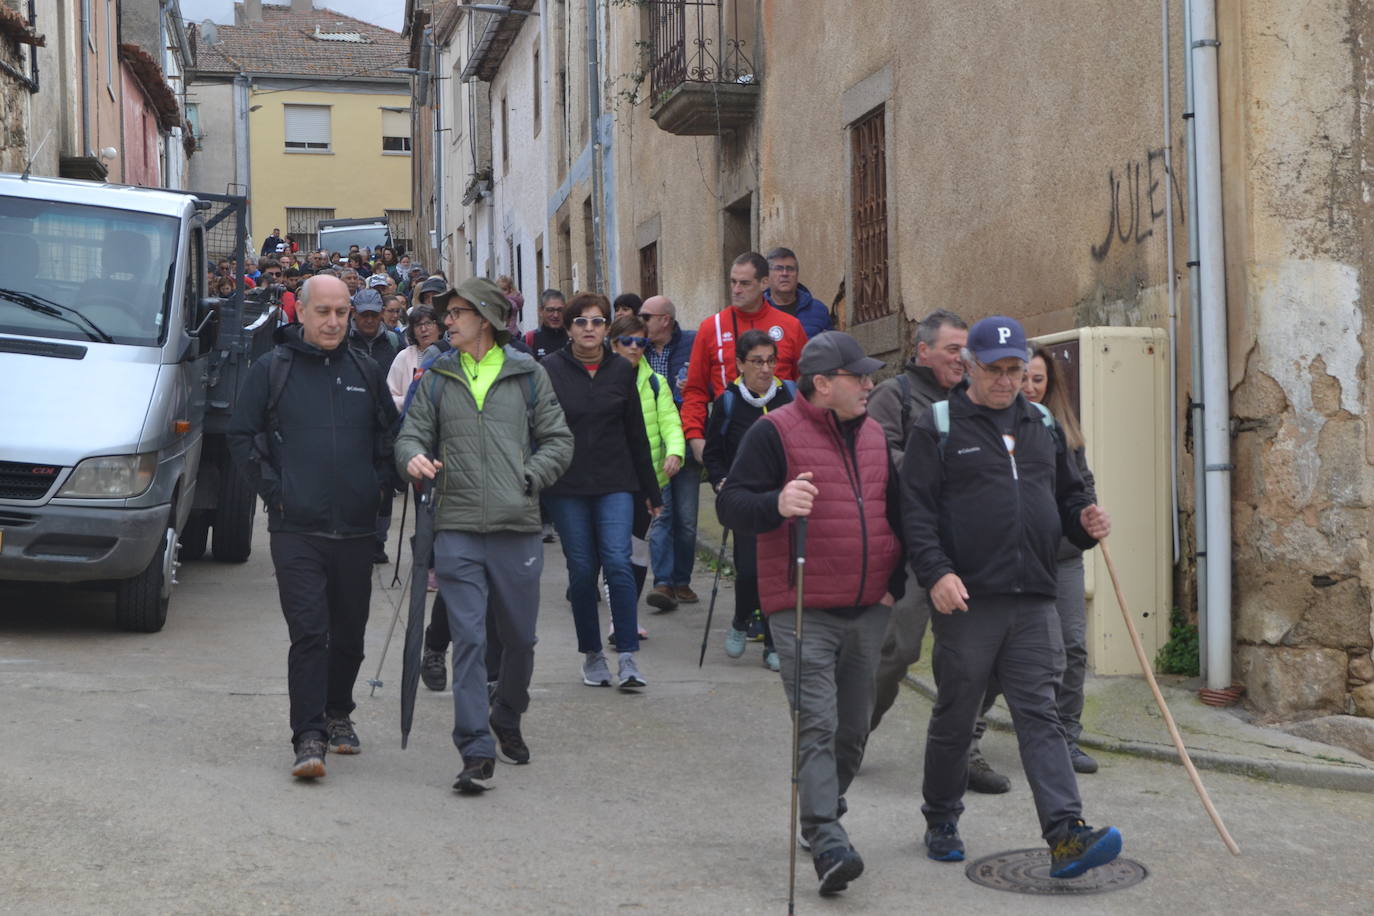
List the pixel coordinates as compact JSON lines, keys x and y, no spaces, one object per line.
{"x":661,"y":423}
{"x":813,"y":314}
{"x":324,"y":469}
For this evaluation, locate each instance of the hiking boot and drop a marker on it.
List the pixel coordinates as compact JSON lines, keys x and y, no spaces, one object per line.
{"x":662,"y":598}
{"x":836,"y":867}
{"x":1082,"y":763}
{"x":841,"y":810}
{"x":685,"y":595}
{"x":943,"y":843}
{"x":771,"y":660}
{"x":735,"y":641}
{"x":310,"y":751}
{"x":434,"y":669}
{"x":510,"y":746}
{"x":595,"y":671}
{"x":983,"y":778}
{"x":549,"y":536}
{"x":630,"y":678}
{"x":342,"y":738}
{"x":755,"y":631}
{"x":1080,"y":848}
{"x":476,"y":776}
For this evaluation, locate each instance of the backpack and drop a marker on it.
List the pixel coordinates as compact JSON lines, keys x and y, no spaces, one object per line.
{"x":940,"y":409}
{"x":731,"y":395}
{"x":434,"y":395}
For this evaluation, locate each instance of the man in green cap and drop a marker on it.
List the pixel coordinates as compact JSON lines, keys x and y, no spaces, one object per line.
{"x":486,"y":427}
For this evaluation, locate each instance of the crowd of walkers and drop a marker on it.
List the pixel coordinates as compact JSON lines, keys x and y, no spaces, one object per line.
{"x":954,"y":495}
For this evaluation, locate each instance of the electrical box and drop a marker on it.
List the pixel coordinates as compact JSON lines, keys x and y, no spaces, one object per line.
{"x":1118,"y":377}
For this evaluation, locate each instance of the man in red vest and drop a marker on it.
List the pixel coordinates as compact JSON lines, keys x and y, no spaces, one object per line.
{"x":822,"y":457}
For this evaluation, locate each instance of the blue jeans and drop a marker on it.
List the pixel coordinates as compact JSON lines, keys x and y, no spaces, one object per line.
{"x":673,"y":543}
{"x":594,"y":529}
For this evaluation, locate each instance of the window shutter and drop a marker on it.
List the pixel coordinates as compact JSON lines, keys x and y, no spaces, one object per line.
{"x":307,"y":126}
{"x":395,"y":123}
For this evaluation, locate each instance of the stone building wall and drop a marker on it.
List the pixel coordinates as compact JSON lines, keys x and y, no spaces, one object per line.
{"x":1299,"y":244}
{"x":13,"y":107}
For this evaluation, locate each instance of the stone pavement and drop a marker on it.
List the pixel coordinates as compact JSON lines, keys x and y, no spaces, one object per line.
{"x":1120,"y":715}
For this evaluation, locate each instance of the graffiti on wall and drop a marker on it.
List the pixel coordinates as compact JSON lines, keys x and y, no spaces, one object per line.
{"x":1136,"y":201}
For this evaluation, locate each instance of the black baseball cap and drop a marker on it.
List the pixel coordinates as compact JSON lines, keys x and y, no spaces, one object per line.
{"x":832,"y":351}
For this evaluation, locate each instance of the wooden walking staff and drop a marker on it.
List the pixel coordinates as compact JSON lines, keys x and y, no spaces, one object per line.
{"x":1163,"y":707}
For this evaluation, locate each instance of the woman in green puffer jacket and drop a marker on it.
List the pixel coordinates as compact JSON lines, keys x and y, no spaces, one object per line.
{"x":628,"y":339}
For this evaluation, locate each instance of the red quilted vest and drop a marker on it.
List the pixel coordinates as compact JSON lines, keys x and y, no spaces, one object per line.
{"x":851,"y":551}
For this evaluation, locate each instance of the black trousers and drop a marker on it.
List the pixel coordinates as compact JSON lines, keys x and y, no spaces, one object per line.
{"x":747,"y":586}
{"x":325,"y":585}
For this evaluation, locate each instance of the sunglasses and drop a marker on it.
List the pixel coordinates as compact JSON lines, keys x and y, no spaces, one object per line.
{"x":272,"y":273}
{"x":582,"y":321}
{"x":627,"y":341}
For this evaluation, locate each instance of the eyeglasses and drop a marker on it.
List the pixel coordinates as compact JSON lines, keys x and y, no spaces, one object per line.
{"x":783,"y":268}
{"x":456,"y":313}
{"x":627,"y":341}
{"x":762,"y":361}
{"x":582,"y":321}
{"x":1012,"y":374}
{"x":425,"y":323}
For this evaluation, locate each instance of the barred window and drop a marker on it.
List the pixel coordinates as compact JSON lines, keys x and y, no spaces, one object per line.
{"x":868,"y":216}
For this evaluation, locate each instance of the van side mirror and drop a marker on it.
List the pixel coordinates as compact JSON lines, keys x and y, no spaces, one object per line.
{"x":207,"y":324}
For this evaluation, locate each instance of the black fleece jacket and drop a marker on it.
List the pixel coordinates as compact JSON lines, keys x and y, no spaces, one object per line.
{"x":324,"y":472}
{"x":610,"y":445}
{"x":991,"y":516}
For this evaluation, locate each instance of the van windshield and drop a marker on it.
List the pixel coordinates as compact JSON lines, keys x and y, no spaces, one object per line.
{"x":85,"y":273}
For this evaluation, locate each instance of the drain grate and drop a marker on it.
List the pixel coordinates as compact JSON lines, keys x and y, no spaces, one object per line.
{"x":1027,"y":871}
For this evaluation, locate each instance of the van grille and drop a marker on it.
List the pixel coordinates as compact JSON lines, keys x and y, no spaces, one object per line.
{"x":21,"y":480}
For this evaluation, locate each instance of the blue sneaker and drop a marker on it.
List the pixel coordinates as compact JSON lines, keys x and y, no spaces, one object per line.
{"x":1081,"y":848}
{"x":943,"y":843}
{"x":735,"y":642}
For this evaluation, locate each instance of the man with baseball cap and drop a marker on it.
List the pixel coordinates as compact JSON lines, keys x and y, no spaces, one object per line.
{"x":987,"y":487}
{"x":821,"y":457}
{"x":491,"y":413}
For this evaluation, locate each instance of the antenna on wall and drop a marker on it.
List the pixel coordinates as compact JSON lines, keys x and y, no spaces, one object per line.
{"x":28,"y":167}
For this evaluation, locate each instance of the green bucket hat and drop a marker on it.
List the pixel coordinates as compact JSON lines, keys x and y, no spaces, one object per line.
{"x":487,"y":298}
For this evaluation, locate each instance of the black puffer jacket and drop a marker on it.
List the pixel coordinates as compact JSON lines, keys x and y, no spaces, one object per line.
{"x":993,"y":518}
{"x":323,"y":471}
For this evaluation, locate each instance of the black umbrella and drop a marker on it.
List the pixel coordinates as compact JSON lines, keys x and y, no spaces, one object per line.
{"x":421,"y":546}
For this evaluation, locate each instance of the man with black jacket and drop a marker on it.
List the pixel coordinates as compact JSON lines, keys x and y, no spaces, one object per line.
{"x":550,"y":336}
{"x":987,"y":487}
{"x":821,"y":457}
{"x":312,"y":433}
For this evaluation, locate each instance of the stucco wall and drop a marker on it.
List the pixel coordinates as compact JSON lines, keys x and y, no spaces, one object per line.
{"x":355,"y":178}
{"x":141,"y":138}
{"x":213,"y":166}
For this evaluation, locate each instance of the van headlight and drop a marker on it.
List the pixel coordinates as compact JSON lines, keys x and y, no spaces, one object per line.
{"x":111,"y":477}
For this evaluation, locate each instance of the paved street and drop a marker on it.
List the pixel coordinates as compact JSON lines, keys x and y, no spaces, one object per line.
{"x":148,"y":774}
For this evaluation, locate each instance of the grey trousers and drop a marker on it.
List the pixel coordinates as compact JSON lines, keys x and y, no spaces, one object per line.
{"x":838,"y":658}
{"x":472,"y":568}
{"x":1017,"y":639}
{"x":906,"y":628}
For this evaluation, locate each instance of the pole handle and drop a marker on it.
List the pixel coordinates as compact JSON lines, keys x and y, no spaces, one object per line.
{"x":1163,"y":707}
{"x":799,"y":538}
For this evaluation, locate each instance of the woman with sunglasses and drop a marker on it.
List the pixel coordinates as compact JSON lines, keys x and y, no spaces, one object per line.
{"x":755,"y":392}
{"x":592,"y":504}
{"x":629,"y":340}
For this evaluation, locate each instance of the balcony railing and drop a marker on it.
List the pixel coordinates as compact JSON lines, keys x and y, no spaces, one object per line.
{"x":702,"y":80}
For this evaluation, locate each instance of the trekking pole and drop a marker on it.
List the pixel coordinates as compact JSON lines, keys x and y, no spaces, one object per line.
{"x":1163,"y":707}
{"x":800,"y":530}
{"x":715,"y":587}
{"x":376,"y":681}
{"x":400,"y":536}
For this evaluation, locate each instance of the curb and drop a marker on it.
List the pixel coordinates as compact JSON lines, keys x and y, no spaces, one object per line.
{"x":1310,"y":775}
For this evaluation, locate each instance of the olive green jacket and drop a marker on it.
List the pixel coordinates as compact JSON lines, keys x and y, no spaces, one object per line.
{"x":490,"y":480}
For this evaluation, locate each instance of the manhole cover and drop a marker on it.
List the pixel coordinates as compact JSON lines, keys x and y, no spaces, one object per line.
{"x":1027,"y":871}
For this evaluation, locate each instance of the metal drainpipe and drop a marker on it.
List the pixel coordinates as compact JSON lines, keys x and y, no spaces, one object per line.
{"x":1216,"y":390}
{"x":594,"y":115}
{"x":438,"y":120}
{"x":1173,"y":290}
{"x":1195,"y":405}
{"x":86,"y":39}
{"x":242,"y":173}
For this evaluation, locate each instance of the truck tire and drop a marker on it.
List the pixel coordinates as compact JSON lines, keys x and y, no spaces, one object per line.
{"x":141,"y":602}
{"x":195,"y":535}
{"x":233,"y":537}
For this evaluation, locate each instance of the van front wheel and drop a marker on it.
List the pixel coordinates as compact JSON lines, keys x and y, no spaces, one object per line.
{"x":141,"y":602}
